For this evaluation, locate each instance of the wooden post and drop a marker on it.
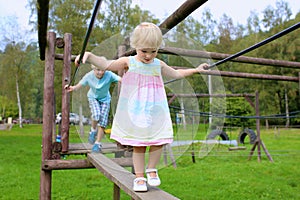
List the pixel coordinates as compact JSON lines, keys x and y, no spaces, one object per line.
{"x":299,"y":85}
{"x":48,"y":117}
{"x":169,"y":149}
{"x":81,"y":126}
{"x":121,"y":50}
{"x":257,"y":125}
{"x":65,"y":104}
{"x":117,"y":192}
{"x":180,"y":14}
{"x":258,"y":143}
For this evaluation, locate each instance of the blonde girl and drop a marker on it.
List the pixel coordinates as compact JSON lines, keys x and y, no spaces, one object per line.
{"x":142,"y":116}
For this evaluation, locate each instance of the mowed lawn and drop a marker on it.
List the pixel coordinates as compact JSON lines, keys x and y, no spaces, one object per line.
{"x":222,"y":174}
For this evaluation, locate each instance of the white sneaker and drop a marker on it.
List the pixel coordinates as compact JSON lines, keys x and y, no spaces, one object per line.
{"x":138,"y":187}
{"x":153,"y":181}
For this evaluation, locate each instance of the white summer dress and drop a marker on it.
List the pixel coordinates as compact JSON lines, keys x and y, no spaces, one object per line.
{"x":142,"y":116}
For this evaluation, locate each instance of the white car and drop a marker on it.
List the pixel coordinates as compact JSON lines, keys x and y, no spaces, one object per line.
{"x":58,"y":118}
{"x":86,"y":120}
{"x":73,"y":118}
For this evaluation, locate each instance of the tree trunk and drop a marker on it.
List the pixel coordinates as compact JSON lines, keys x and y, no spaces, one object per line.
{"x":81,"y":127}
{"x":182,"y":108}
{"x":287,"y":124}
{"x":267,"y":124}
{"x":19,"y":103}
{"x":182,"y":113}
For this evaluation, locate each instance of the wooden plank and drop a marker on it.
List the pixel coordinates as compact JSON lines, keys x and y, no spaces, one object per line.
{"x":84,"y":146}
{"x":85,"y":151}
{"x":236,"y":148}
{"x":124,"y":162}
{"x":80,"y":164}
{"x":66,"y":164}
{"x":124,"y":179}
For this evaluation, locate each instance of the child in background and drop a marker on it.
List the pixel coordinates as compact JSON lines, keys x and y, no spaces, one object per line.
{"x":142,"y":117}
{"x":99,"y":99}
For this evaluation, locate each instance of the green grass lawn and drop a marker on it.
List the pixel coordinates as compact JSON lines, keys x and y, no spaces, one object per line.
{"x":222,"y":174}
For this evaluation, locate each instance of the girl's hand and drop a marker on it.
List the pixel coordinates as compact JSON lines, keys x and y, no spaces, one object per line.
{"x":84,"y":58}
{"x":202,"y":67}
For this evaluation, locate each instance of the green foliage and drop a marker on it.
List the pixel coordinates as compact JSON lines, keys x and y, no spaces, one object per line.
{"x":19,"y":61}
{"x":7,"y":108}
{"x":236,"y":110}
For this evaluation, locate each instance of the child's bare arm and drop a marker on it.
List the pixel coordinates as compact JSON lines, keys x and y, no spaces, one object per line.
{"x":71,"y":88}
{"x":102,"y":63}
{"x":119,"y":64}
{"x":180,"y":73}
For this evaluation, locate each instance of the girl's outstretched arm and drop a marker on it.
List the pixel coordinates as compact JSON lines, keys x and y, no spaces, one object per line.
{"x":119,"y":64}
{"x":102,"y":63}
{"x":180,"y":73}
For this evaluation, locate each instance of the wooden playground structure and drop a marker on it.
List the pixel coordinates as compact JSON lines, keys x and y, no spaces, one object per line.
{"x":113,"y":168}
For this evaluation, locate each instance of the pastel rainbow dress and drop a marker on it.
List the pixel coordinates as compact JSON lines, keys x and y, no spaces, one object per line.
{"x":142,"y":116}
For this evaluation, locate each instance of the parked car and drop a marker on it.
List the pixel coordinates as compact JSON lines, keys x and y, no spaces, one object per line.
{"x":73,"y":118}
{"x":24,"y":121}
{"x":58,"y":118}
{"x":86,"y":121}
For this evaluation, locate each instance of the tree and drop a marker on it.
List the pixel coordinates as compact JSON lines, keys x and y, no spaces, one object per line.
{"x":73,"y":16}
{"x":13,"y":60}
{"x":20,"y":72}
{"x":253,"y":23}
{"x":237,"y":110}
{"x":13,"y":65}
{"x":276,"y":16}
{"x":282,"y":49}
{"x":10,"y":31}
{"x":118,"y":18}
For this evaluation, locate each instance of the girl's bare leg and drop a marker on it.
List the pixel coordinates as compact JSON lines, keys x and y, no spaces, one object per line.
{"x":138,"y":158}
{"x":154,"y":157}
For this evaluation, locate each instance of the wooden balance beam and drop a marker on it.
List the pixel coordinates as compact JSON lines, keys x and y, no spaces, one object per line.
{"x":123,"y":179}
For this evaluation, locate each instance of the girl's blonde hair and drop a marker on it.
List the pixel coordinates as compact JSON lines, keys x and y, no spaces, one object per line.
{"x":146,"y":35}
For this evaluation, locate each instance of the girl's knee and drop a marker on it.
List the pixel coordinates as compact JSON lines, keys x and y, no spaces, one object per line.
{"x":139,"y":149}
